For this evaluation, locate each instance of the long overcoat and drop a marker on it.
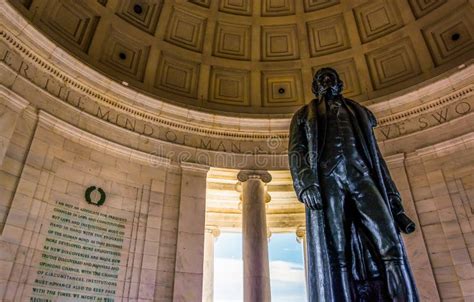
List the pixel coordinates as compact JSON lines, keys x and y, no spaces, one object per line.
{"x":307,"y":137}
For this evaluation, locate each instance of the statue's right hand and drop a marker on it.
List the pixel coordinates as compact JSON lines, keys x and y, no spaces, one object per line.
{"x":311,"y":197}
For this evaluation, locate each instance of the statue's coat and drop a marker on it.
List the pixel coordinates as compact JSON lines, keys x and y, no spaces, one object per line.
{"x":307,"y":138}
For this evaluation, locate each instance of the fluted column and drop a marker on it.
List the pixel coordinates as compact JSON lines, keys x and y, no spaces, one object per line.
{"x":210,"y":236}
{"x":254,"y":235}
{"x":301,"y":238}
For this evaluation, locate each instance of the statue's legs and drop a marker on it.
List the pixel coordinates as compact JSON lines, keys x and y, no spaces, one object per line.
{"x":378,"y":225}
{"x":375,"y":218}
{"x":346,"y":184}
{"x":334,"y":208}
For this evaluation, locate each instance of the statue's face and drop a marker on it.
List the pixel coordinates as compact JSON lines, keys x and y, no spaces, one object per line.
{"x":328,"y":83}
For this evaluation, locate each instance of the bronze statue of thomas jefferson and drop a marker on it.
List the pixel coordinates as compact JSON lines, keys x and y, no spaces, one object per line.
{"x":354,"y":213}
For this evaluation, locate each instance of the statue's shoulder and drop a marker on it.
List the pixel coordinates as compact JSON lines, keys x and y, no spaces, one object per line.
{"x":302,"y":113}
{"x":370,"y":114}
{"x":355,"y":104}
{"x":302,"y":110}
{"x":306,"y":112}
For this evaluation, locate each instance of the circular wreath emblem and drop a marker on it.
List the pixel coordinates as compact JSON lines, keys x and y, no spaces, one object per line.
{"x":98,"y":200}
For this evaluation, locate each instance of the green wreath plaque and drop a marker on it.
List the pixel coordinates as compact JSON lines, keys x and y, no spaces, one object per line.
{"x":97,"y":202}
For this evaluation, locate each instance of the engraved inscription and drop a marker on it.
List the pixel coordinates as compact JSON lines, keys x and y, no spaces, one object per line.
{"x":81,"y":255}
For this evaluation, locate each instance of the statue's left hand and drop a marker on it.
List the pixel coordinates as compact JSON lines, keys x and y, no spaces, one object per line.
{"x":311,"y":197}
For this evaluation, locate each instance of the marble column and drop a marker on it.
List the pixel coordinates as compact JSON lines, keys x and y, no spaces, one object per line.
{"x":210,"y":236}
{"x":254,"y":236}
{"x":301,"y":238}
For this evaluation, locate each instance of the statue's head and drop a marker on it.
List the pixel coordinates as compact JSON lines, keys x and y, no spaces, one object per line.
{"x":326,"y":82}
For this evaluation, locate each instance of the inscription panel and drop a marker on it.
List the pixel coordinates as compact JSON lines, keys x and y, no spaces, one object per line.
{"x":81,"y":255}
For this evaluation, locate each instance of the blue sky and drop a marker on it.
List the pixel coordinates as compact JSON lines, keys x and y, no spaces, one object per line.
{"x":286,"y":268}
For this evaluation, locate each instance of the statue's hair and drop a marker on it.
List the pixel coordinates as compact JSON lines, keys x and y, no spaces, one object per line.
{"x":314,"y":86}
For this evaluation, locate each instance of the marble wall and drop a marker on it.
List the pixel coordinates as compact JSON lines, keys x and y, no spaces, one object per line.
{"x":17,"y":128}
{"x":163,"y":235}
{"x":441,"y":180}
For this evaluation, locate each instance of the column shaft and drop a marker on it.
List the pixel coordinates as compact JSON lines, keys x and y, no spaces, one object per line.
{"x":255,"y":244}
{"x":208,"y":270}
{"x":301,"y":237}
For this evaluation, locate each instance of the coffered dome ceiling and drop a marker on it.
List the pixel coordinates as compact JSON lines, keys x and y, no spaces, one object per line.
{"x":258,"y":57}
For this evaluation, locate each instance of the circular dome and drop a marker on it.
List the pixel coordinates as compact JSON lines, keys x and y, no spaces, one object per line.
{"x":258,"y":57}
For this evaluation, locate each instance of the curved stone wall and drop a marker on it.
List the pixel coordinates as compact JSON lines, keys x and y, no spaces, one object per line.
{"x":34,"y":66}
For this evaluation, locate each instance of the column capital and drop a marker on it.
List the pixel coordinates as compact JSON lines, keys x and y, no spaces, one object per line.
{"x":300,"y":233}
{"x":263,"y":175}
{"x":238,"y":188}
{"x":269,"y":233}
{"x":214,"y":230}
{"x":268,"y":197}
